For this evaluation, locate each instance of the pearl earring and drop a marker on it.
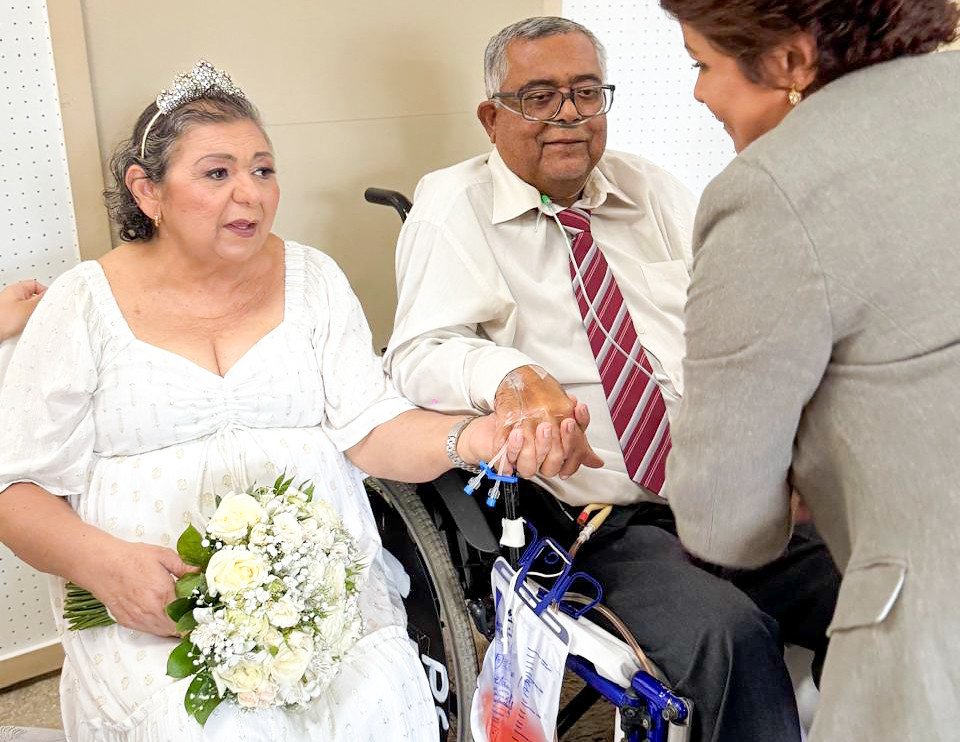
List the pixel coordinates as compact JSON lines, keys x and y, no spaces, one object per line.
{"x":794,"y":96}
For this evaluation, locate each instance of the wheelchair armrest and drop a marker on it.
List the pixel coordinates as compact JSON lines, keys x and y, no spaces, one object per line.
{"x":465,"y":511}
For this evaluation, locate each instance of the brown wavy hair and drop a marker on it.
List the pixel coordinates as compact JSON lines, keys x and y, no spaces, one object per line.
{"x":850,"y":34}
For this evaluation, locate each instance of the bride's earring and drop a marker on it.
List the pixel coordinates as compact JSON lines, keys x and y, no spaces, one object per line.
{"x":156,"y":220}
{"x":794,"y":96}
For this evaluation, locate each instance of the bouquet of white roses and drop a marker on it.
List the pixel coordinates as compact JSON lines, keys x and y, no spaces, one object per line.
{"x":274,"y":607}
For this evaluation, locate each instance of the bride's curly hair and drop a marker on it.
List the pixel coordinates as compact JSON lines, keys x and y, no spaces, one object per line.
{"x":850,"y":34}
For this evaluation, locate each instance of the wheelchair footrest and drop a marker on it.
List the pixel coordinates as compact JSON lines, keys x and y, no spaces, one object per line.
{"x":648,"y":709}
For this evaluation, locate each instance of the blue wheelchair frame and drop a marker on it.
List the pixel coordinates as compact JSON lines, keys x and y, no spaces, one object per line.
{"x":647,"y":707}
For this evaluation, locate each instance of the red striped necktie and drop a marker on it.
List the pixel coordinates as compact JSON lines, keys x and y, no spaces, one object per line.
{"x":636,"y":404}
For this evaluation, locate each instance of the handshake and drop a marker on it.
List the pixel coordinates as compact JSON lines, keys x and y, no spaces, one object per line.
{"x":543,"y":427}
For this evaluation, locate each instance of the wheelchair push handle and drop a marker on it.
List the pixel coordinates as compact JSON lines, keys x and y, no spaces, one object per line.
{"x":386,"y":197}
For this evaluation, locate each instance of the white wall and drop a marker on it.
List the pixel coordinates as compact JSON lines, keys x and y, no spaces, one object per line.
{"x":654,"y":113}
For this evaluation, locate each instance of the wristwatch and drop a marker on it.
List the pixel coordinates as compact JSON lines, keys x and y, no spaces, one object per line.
{"x":452,"y":438}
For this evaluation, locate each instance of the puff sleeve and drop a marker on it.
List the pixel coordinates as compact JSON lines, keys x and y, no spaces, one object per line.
{"x":47,"y":430}
{"x":358,"y":396}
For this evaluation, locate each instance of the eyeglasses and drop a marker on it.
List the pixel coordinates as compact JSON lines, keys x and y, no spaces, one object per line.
{"x":544,"y":104}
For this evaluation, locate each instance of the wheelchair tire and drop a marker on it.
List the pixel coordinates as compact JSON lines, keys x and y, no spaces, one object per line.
{"x":441,"y":627}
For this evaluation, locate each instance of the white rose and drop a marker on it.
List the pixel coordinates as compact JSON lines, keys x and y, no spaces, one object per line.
{"x":322,"y":536}
{"x":288,"y":528}
{"x":290,"y":662}
{"x":339,"y":630}
{"x":272,"y":638}
{"x":331,"y":627}
{"x":325,"y":514}
{"x":335,"y":578}
{"x":244,"y":677}
{"x":254,"y":627}
{"x":234,"y":516}
{"x":259,"y":535}
{"x":309,"y":525}
{"x":283,"y":614}
{"x":232,"y":570}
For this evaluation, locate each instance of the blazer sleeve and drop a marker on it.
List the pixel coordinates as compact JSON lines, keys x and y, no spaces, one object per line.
{"x":759,"y":337}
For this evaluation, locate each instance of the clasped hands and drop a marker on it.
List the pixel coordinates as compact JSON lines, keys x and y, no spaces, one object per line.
{"x":543,"y":426}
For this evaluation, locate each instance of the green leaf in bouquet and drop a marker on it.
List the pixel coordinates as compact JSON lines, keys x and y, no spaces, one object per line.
{"x":180,"y":662}
{"x":186,"y":623}
{"x":308,"y":490}
{"x":191,"y":549}
{"x":185,"y":586}
{"x":202,"y":697}
{"x":178,"y":608}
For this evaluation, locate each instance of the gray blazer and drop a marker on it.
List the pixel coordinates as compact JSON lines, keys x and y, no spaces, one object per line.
{"x":823,"y":341}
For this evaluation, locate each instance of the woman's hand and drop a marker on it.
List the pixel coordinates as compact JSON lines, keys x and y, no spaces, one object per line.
{"x":135,"y":582}
{"x":17,"y":302}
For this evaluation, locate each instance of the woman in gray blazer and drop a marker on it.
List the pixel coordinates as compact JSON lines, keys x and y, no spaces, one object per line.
{"x":823,"y":333}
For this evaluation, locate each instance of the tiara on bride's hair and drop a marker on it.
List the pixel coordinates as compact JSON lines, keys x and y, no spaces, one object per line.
{"x":189,"y":86}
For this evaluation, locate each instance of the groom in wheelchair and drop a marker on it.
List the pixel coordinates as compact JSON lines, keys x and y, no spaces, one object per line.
{"x":551,"y":270}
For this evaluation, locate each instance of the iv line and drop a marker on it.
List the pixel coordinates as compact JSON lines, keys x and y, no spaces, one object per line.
{"x":546,"y":202}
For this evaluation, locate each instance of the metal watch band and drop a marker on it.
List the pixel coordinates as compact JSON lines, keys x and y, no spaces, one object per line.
{"x":452,"y":438}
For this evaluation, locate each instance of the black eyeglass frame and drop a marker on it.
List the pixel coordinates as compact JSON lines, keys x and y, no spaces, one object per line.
{"x":564,"y":97}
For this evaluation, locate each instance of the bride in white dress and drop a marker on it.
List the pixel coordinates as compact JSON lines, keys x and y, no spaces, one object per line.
{"x":203,"y":355}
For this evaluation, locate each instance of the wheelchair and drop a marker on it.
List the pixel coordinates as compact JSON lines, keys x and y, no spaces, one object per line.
{"x":445,"y":541}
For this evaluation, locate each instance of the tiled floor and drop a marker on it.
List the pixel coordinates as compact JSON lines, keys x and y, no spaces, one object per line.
{"x":33,"y":704}
{"x":37,"y":704}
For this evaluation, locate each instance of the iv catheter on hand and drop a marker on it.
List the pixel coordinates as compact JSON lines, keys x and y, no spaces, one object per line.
{"x":494,"y":475}
{"x":512,"y":536}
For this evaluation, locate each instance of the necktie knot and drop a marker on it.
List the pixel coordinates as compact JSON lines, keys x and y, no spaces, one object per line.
{"x":575,"y":220}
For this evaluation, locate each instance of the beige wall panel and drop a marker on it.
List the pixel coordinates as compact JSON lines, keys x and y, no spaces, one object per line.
{"x":300,"y":60}
{"x":79,"y":126}
{"x":324,"y":169}
{"x":353,"y":95}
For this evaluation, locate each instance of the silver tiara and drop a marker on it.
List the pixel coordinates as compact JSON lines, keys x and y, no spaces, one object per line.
{"x":189,"y":86}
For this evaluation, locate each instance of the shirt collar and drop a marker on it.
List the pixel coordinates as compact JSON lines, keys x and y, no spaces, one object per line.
{"x":513,"y":196}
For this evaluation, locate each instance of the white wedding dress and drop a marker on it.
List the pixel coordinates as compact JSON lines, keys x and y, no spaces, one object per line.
{"x":141,"y":440}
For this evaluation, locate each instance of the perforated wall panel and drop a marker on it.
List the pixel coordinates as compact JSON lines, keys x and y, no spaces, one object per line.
{"x":654,"y":113}
{"x":37,"y":233}
{"x":37,"y":240}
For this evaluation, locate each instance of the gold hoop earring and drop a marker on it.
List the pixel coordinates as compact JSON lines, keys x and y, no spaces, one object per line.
{"x":156,"y":220}
{"x":794,"y":96}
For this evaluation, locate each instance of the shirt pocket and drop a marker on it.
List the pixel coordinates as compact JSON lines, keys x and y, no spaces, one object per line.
{"x":667,"y":284}
{"x":868,"y":593}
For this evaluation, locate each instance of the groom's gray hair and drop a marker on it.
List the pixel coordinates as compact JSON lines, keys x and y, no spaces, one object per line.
{"x":495,"y":57}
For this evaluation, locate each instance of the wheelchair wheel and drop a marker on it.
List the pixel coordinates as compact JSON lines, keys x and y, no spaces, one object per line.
{"x":437,"y":618}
